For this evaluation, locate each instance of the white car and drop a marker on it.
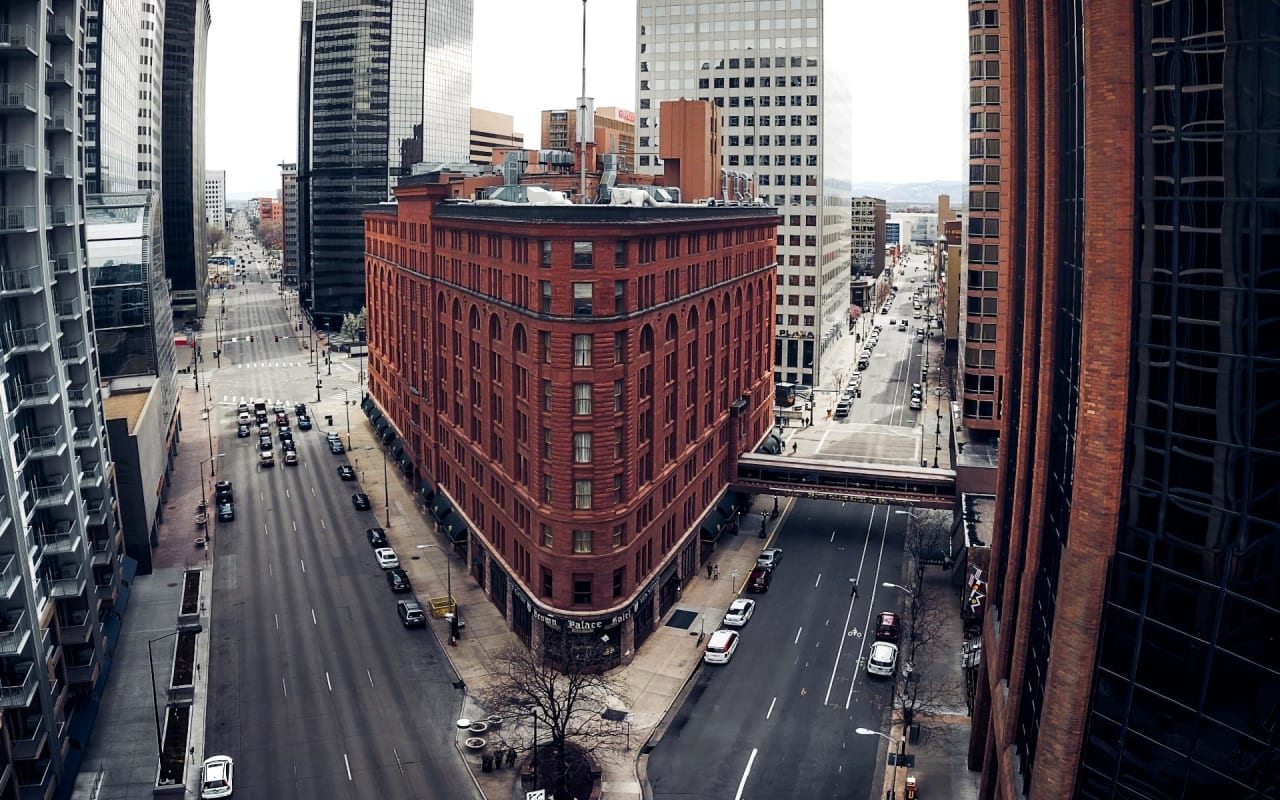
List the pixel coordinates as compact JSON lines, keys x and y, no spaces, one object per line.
{"x":244,"y":418}
{"x":721,"y":647}
{"x":739,"y":612}
{"x":769,"y":557}
{"x":915,"y":402}
{"x":216,"y":777}
{"x":386,"y":558}
{"x":883,"y":659}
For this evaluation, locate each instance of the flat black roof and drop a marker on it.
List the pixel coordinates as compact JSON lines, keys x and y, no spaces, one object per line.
{"x":604,"y":214}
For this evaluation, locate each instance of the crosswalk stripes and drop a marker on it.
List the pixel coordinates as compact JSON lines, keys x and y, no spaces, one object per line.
{"x":272,"y":364}
{"x":236,"y":400}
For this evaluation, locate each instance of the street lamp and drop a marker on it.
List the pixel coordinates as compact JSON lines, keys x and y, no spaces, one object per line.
{"x":346,"y":406}
{"x":888,"y":585}
{"x":902,"y":749}
{"x":448,"y":572}
{"x":210,"y":460}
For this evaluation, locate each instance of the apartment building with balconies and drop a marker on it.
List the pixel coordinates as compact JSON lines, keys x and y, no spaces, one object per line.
{"x":60,"y":559}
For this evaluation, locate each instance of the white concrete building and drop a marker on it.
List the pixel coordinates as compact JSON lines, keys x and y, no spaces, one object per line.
{"x":215,"y":198}
{"x":777,"y":70}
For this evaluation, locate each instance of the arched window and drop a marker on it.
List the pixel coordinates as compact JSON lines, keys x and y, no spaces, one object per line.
{"x":673,"y":328}
{"x":495,"y":329}
{"x":473,"y":319}
{"x":520,"y":339}
{"x":646,"y":339}
{"x":457,"y":311}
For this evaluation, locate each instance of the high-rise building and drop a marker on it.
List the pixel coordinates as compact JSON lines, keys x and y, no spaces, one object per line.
{"x":615,"y":132}
{"x":289,"y":232}
{"x":489,"y":130}
{"x":1134,"y":595}
{"x":186,"y":31}
{"x":867,"y":244}
{"x":784,"y":91}
{"x":215,"y":198}
{"x":150,"y":35}
{"x":384,"y":85}
{"x":60,"y":561}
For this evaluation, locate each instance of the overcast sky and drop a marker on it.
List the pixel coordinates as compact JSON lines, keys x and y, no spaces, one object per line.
{"x":909,"y":58}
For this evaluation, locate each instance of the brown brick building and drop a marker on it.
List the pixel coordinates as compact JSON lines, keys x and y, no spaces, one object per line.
{"x":571,"y":386}
{"x":1134,"y":590}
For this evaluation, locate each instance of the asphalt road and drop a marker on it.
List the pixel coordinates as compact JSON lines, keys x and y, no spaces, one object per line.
{"x":315,"y":689}
{"x":778,"y":720}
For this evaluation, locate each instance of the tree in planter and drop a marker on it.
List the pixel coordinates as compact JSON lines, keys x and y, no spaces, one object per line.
{"x":569,"y":703}
{"x":353,"y":325}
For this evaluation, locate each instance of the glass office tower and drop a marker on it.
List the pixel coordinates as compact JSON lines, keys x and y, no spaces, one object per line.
{"x":385,"y":84}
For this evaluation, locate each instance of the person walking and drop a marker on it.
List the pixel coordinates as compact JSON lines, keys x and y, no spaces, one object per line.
{"x":854,"y":593}
{"x":715,"y":572}
{"x":708,"y":570}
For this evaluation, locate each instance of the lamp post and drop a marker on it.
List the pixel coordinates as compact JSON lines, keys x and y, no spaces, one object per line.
{"x":209,"y":460}
{"x":902,"y":749}
{"x":155,"y":703}
{"x":346,"y":406}
{"x":386,"y":491}
{"x":448,"y":573}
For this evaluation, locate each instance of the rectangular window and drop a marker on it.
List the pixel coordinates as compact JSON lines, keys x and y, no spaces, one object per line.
{"x":619,"y":535}
{"x":619,"y":581}
{"x":582,"y":399}
{"x":582,"y":542}
{"x":546,"y":443}
{"x":617,"y":489}
{"x":544,"y":257}
{"x":545,"y":338}
{"x":548,"y":538}
{"x":582,"y":495}
{"x":582,"y":349}
{"x":545,"y":287}
{"x":620,"y":253}
{"x":619,"y":346}
{"x":546,"y":395}
{"x":547,"y":583}
{"x":582,"y":297}
{"x":582,"y":590}
{"x":617,"y":395}
{"x":583,"y":256}
{"x":548,"y":496}
{"x":582,"y":448}
{"x":619,"y":297}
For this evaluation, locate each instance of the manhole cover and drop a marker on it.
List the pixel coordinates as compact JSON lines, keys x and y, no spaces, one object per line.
{"x":682,"y":619}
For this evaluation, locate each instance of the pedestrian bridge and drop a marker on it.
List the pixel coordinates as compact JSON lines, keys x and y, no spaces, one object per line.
{"x":849,"y":481}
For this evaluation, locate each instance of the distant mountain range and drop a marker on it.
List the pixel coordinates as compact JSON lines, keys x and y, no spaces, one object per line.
{"x":911,"y":192}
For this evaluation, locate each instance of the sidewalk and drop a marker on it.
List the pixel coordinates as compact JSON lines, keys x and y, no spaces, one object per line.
{"x":651,"y":683}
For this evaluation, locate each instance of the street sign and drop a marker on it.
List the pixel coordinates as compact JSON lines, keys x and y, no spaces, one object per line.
{"x":536,"y":794}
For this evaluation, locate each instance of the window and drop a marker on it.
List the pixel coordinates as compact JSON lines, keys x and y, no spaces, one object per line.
{"x":546,"y":395}
{"x":582,"y":349}
{"x":582,"y":295}
{"x":582,"y":541}
{"x":619,"y":297}
{"x":545,"y":286}
{"x":617,"y":489}
{"x":547,"y":583}
{"x":582,"y":448}
{"x":582,"y":495}
{"x":617,"y":395}
{"x":583,"y":255}
{"x":545,"y":338}
{"x":548,"y":495}
{"x":620,"y":246}
{"x":582,"y":399}
{"x":546,"y":443}
{"x":619,"y":581}
{"x":619,"y":346}
{"x":544,"y":258}
{"x":548,"y":538}
{"x":582,"y":589}
{"x":619,"y":535}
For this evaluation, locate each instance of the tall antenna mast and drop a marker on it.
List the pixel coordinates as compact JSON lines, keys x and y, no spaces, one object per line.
{"x":582,"y":115}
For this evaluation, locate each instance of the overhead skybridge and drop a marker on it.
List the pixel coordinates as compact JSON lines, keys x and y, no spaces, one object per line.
{"x":849,"y":481}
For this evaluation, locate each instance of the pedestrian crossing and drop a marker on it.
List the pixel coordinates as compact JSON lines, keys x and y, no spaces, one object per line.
{"x":351,"y":396}
{"x":272,"y":364}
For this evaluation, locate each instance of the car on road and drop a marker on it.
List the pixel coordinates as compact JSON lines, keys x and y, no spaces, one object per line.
{"x":887,"y":626}
{"x":915,"y":402}
{"x":769,"y":557}
{"x":286,"y":437}
{"x":386,"y":558}
{"x":264,"y":430}
{"x":335,"y":447}
{"x":282,"y":423}
{"x":397,"y":579}
{"x":721,"y":647}
{"x":223,"y":491}
{"x":266,"y":459}
{"x":377,"y":537}
{"x":243,"y":418}
{"x":278,"y":408}
{"x":739,"y":612}
{"x":264,"y":443}
{"x":300,"y":409}
{"x":759,"y":580}
{"x":346,"y":472}
{"x":216,"y":775}
{"x":243,"y":408}
{"x":411,"y":613}
{"x":361,"y":501}
{"x":883,"y":659}
{"x":242,"y":431}
{"x":226,"y":512}
{"x":290,"y":458}
{"x":902,"y":325}
{"x":304,"y":423}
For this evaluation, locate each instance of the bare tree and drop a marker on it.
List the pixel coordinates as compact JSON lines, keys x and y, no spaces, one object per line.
{"x":214,"y":237}
{"x":270,"y":234}
{"x":927,"y":687}
{"x":569,"y":704}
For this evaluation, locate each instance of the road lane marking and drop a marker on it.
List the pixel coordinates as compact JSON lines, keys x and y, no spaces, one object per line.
{"x":348,"y":763}
{"x":322,"y":523}
{"x":295,"y":526}
{"x":370,"y":674}
{"x":399,"y":763}
{"x":313,"y":617}
{"x":818,"y":581}
{"x":313,"y":491}
{"x":328,"y":682}
{"x":742,"y":784}
{"x":277,"y":616}
{"x":270,"y":571}
{"x":304,"y":566}
{"x":284,"y":684}
{"x":797,"y":641}
{"x":769,"y":713}
{"x":286,"y":494}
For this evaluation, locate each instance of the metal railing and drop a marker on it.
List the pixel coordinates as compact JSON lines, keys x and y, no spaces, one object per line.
{"x":19,"y":36}
{"x":10,"y":572}
{"x":18,"y":218}
{"x":37,"y":390}
{"x":19,"y":95}
{"x":66,"y":587}
{"x":33,"y":337}
{"x":79,"y":394}
{"x":20,"y":279}
{"x":14,"y":636}
{"x":63,"y":263}
{"x":18,"y":156}
{"x":18,"y":695}
{"x":52,"y":492}
{"x":59,"y":542}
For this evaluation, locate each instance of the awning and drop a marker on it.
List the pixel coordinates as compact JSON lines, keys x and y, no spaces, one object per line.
{"x":387,"y":435}
{"x":367,"y":405}
{"x":772,"y":445}
{"x":406,"y":466}
{"x":426,"y":491}
{"x":727,"y":508}
{"x":403,"y":460}
{"x":380,"y":422}
{"x":440,"y":506}
{"x":397,"y":448}
{"x":455,"y":529}
{"x":713,"y":525}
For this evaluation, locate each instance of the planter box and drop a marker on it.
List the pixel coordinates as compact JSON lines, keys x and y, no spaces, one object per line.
{"x":189,"y":605}
{"x":171,"y":772}
{"x":183,"y":670}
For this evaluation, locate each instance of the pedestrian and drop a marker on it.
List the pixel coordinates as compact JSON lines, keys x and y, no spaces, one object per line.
{"x":775,"y":506}
{"x":793,"y":448}
{"x":854,"y":593}
{"x":708,"y":570}
{"x":511,"y":756}
{"x":715,"y":572}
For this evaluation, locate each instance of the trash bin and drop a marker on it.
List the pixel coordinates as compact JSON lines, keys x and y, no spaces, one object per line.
{"x":328,"y":419}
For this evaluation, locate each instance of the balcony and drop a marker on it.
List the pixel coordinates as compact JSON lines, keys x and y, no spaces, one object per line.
{"x":78,"y":629}
{"x":85,"y":435}
{"x":28,"y":742}
{"x":17,"y":281}
{"x":35,"y":778}
{"x":83,"y":669}
{"x":18,"y":218}
{"x":18,"y":687}
{"x":63,"y":264}
{"x":59,"y":168}
{"x":31,"y":339}
{"x":51,"y":492}
{"x":60,"y":73}
{"x":62,"y":27}
{"x":61,"y":120}
{"x":67,"y":309}
{"x":18,"y":97}
{"x":73,"y":352}
{"x":42,"y":445}
{"x":15,"y":632}
{"x":72,"y":586}
{"x":19,"y":39}
{"x":91,"y":476}
{"x":79,"y":396}
{"x":98,"y":509}
{"x":63,"y":538}
{"x":103,"y":550}
{"x":39,"y":393}
{"x":10,"y":572}
{"x":18,"y":158}
{"x":61,"y":215}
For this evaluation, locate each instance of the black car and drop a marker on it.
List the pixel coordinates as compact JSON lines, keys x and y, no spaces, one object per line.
{"x":397,"y":579}
{"x":300,"y":409}
{"x":286,"y":435}
{"x":243,"y":431}
{"x":346,"y":472}
{"x":377,"y":537}
{"x":361,"y":501}
{"x":264,"y":443}
{"x":226,"y":512}
{"x":223,"y":492}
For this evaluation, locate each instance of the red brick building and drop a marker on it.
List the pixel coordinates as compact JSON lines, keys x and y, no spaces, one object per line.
{"x":571,"y":386}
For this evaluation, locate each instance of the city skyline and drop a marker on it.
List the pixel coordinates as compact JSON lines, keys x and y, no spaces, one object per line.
{"x":250,"y":131}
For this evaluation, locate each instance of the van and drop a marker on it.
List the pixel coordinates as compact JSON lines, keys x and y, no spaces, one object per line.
{"x":411,"y":614}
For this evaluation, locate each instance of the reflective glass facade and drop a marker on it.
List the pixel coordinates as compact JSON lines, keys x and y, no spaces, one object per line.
{"x":111,"y":97}
{"x":1186,"y":702}
{"x":381,"y":73}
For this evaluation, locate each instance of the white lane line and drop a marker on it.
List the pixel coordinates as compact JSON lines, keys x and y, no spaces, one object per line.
{"x":742,"y":784}
{"x":277,"y":616}
{"x":266,"y":531}
{"x":285,"y":685}
{"x":348,"y":763}
{"x":328,"y":682}
{"x":769,"y":713}
{"x":798,"y":632}
{"x":370,"y":674}
{"x":304,"y":566}
{"x":818,"y":581}
{"x":295,"y":526}
{"x":313,"y":491}
{"x":833,"y":534}
{"x":399,"y":763}
{"x":270,"y":571}
{"x":322,"y":523}
{"x":313,"y":617}
{"x":286,"y":493}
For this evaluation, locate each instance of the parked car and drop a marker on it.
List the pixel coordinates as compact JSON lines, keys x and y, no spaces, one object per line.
{"x":759,"y":580}
{"x":216,"y":775}
{"x":346,"y":473}
{"x":721,"y":647}
{"x":304,"y":423}
{"x":883,"y":659}
{"x":915,"y":402}
{"x":377,"y":537}
{"x":223,"y":491}
{"x":361,"y":501}
{"x":397,"y":579}
{"x":286,"y":437}
{"x":411,"y":613}
{"x":386,"y":558}
{"x":335,"y":448}
{"x":887,"y":626}
{"x":769,"y":557}
{"x":226,"y":512}
{"x":739,"y":612}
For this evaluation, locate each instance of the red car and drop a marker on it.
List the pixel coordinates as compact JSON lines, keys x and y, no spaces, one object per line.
{"x":887,"y":626}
